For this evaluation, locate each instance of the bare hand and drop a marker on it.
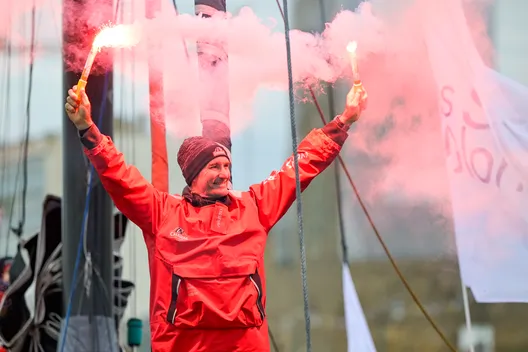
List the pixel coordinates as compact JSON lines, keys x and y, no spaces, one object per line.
{"x":356,"y":103}
{"x":79,"y":109}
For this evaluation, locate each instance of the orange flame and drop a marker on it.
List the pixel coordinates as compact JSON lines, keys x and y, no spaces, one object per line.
{"x":119,"y":36}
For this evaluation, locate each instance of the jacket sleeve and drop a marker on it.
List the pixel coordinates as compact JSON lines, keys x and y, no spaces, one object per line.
{"x":132,"y":194}
{"x":316,"y":152}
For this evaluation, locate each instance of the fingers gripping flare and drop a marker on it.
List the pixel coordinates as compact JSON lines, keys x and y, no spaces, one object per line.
{"x":361,"y":95}
{"x":72,"y":101}
{"x":78,"y":108}
{"x":356,"y":102}
{"x":75,"y":100}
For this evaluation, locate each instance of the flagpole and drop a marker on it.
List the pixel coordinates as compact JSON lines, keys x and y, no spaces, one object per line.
{"x":467,"y":315}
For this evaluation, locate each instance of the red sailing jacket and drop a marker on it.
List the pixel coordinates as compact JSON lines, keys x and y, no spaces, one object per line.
{"x":208,"y":289}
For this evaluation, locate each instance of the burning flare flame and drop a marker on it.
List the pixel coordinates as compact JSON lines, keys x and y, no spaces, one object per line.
{"x":120,"y":36}
{"x":351,"y":47}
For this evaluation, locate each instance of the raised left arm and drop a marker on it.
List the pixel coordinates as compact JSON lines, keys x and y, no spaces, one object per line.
{"x":316,"y":152}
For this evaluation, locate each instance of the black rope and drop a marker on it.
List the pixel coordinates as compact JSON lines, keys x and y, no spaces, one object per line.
{"x":20,"y":230}
{"x":273,"y":341}
{"x":373,"y":226}
{"x":385,"y":247}
{"x":293,"y":125}
{"x":6,"y":128}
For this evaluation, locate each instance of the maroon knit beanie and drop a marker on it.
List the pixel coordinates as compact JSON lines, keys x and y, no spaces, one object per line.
{"x":195,"y":153}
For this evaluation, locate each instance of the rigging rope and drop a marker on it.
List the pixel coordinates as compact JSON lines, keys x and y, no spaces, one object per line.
{"x":366,"y":212}
{"x":22,"y":221}
{"x":385,"y":247}
{"x":6,"y":127}
{"x":293,"y":124}
{"x":18,"y":231}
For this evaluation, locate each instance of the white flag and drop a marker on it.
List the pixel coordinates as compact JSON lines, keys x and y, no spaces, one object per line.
{"x":485,"y":130}
{"x":359,"y":338}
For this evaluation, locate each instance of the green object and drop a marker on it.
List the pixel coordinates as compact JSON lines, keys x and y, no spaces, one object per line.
{"x":135,"y":332}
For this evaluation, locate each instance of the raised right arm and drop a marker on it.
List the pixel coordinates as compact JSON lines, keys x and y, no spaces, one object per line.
{"x":132,"y":194}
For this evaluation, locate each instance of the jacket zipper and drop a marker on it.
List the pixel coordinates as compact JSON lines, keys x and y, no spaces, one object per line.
{"x":259,"y":298}
{"x":171,"y":316}
{"x":176,"y":309}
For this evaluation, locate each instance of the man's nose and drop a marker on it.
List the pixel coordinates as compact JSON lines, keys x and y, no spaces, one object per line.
{"x":224,"y":173}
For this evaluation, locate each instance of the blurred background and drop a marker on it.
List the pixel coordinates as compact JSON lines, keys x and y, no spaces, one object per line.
{"x":419,"y":237}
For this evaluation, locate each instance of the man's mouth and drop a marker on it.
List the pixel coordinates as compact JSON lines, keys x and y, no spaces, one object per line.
{"x":219,"y":182}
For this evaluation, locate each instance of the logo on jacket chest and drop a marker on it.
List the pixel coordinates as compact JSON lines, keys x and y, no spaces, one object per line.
{"x":178,"y":233}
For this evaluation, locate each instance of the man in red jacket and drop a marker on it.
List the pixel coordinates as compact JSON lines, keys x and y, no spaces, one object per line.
{"x":206,"y":246}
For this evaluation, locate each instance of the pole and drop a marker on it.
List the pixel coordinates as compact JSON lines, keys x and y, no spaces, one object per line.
{"x":467,"y":316}
{"x":160,"y":165}
{"x":91,"y":324}
{"x":214,"y":79}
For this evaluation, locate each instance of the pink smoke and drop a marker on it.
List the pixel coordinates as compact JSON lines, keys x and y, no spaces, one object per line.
{"x":392,"y":60}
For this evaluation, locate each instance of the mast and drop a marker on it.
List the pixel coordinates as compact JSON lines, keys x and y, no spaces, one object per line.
{"x":91,"y":323}
{"x":214,"y":80}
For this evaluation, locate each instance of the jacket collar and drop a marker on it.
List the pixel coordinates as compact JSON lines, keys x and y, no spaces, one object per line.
{"x":199,"y":201}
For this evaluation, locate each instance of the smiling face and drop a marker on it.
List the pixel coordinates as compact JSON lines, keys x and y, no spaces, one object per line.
{"x":212,"y":182}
